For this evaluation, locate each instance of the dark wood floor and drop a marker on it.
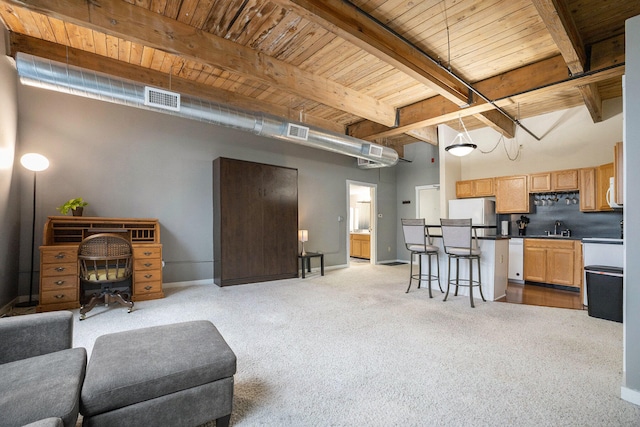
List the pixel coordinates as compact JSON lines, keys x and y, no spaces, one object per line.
{"x":539,"y":295}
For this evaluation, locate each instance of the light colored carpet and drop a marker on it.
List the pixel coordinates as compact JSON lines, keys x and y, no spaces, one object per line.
{"x":352,"y":349}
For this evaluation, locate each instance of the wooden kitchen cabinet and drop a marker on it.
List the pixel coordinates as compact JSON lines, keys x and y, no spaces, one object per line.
{"x":588,"y":190}
{"x":564,"y":180}
{"x":255,"y":222}
{"x":603,"y":176}
{"x":618,"y":173}
{"x":360,"y":245}
{"x":512,"y":194}
{"x":557,"y":262}
{"x":540,"y":182}
{"x":475,"y":188}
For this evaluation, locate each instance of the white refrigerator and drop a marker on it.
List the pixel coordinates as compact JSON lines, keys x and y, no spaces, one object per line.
{"x":482,"y":211}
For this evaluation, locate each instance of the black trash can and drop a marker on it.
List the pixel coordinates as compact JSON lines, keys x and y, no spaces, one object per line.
{"x":604,"y":292}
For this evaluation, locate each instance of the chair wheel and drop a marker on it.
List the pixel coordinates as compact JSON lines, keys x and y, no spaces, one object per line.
{"x":82,"y":317}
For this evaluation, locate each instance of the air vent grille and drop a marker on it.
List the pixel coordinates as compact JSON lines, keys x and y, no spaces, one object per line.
{"x":364,"y":162}
{"x":297,"y":132}
{"x":375,"y":151}
{"x":159,"y":98}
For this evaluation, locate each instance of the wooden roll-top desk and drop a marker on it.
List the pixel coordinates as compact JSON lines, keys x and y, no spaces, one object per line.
{"x":59,"y":283}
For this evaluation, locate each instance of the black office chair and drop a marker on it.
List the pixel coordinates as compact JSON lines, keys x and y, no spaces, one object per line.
{"x":419,"y":242}
{"x":106,"y":269}
{"x":459,"y":243}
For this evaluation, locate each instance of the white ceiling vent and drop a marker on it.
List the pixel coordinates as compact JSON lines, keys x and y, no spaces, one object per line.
{"x":159,"y":98}
{"x":375,"y":150}
{"x":364,"y":162}
{"x":297,"y":132}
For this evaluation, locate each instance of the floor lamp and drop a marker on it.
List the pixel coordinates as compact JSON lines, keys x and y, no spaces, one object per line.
{"x":36,"y":163}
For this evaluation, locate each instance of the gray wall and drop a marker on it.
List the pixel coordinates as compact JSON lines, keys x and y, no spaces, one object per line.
{"x":128,"y":162}
{"x":421,"y":171}
{"x":631,"y":206}
{"x":9,"y":206}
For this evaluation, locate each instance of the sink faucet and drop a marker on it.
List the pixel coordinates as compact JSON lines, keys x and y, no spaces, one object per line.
{"x":555,"y":227}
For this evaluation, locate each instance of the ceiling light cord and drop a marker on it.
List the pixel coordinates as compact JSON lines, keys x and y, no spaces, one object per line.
{"x":439,"y":64}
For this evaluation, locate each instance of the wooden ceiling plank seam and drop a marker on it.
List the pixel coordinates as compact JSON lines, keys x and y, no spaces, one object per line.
{"x":269,"y":22}
{"x":75,"y":38}
{"x":249,"y":22}
{"x":121,"y":19}
{"x":100,"y":42}
{"x":111,"y":46}
{"x":146,"y":59}
{"x":186,"y":11}
{"x":31,"y":23}
{"x":158,"y":6}
{"x":200,"y":14}
{"x":124,"y":50}
{"x":269,"y":41}
{"x":9,"y":16}
{"x":45,"y":27}
{"x":172,"y":9}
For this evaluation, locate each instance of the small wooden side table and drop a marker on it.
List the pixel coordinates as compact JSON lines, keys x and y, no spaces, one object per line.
{"x":306,"y":262}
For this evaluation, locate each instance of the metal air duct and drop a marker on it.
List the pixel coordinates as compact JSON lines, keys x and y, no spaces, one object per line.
{"x":65,"y":78}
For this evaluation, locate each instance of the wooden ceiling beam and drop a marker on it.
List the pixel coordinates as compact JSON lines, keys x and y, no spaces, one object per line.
{"x":124,"y":20}
{"x":98,"y":63}
{"x":519,"y":85}
{"x":558,"y":20}
{"x":427,"y":134}
{"x":350,"y":23}
{"x":498,"y":122}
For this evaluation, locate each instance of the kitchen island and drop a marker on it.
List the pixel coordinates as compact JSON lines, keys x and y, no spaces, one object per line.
{"x":494,"y":266}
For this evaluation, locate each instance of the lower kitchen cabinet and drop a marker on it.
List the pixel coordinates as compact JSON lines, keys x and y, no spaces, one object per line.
{"x":557,"y":262}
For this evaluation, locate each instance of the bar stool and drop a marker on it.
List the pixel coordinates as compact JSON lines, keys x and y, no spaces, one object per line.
{"x":419,"y":242}
{"x":459,"y":243}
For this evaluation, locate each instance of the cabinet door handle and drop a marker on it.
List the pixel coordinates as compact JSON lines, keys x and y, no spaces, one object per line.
{"x":59,"y":282}
{"x":59,"y":268}
{"x":148,"y":264}
{"x":59,"y":296}
{"x":60,"y":255}
{"x":148,"y":276}
{"x":148,"y":288}
{"x":148,"y":253}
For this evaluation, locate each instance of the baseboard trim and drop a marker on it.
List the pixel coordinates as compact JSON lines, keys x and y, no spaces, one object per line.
{"x":630,"y":395}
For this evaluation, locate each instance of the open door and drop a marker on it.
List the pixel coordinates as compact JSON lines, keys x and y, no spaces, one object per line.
{"x":361,"y":223}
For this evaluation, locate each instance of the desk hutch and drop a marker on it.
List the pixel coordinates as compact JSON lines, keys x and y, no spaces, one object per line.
{"x":59,"y":283}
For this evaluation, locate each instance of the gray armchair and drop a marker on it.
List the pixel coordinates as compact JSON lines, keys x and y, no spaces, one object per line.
{"x":40,"y":374}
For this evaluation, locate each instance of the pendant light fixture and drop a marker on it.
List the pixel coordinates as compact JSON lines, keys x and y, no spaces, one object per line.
{"x":462,"y":143}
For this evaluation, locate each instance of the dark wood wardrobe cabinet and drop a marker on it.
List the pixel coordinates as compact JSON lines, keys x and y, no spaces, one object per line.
{"x":255,"y":222}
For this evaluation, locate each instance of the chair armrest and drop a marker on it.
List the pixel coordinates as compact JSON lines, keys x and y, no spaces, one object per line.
{"x":35,"y":334}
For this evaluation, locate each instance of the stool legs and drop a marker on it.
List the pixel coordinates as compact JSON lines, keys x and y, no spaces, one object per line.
{"x":429,"y":271}
{"x":470,"y":280}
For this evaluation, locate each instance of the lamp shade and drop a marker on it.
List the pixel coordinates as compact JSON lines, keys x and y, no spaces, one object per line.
{"x":461,"y":146}
{"x":34,"y":162}
{"x":303,"y":235}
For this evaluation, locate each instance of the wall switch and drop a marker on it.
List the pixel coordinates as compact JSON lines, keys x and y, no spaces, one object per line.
{"x":340,"y":218}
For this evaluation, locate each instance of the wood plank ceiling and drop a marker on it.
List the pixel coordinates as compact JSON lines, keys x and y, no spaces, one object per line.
{"x":381,"y":70}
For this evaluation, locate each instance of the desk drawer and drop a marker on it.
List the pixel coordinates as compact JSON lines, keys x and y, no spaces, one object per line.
{"x":147,"y":264}
{"x":58,"y":296}
{"x":147,"y":251}
{"x":148,"y":276}
{"x":61,"y":255}
{"x":59,"y":269}
{"x":143,"y":288}
{"x":51,"y":283}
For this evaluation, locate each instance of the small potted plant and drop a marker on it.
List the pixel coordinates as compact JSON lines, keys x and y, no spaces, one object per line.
{"x":76,"y":206}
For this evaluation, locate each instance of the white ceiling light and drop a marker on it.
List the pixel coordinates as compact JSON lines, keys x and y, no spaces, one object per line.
{"x":462,"y":143}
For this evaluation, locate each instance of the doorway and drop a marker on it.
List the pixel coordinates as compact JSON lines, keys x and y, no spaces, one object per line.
{"x":428,"y":203}
{"x":361,"y":223}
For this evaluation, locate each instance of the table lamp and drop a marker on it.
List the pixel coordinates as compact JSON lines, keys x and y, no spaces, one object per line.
{"x":34,"y":162}
{"x":303,"y":236}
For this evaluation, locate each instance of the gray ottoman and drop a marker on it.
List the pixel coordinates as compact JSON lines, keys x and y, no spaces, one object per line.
{"x":171,"y":375}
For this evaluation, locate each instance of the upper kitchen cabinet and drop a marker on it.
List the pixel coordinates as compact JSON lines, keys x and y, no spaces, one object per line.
{"x":618,"y":173}
{"x":587,"y":190}
{"x":565,"y":180}
{"x":475,"y":188}
{"x":604,"y":173}
{"x":512,"y":194}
